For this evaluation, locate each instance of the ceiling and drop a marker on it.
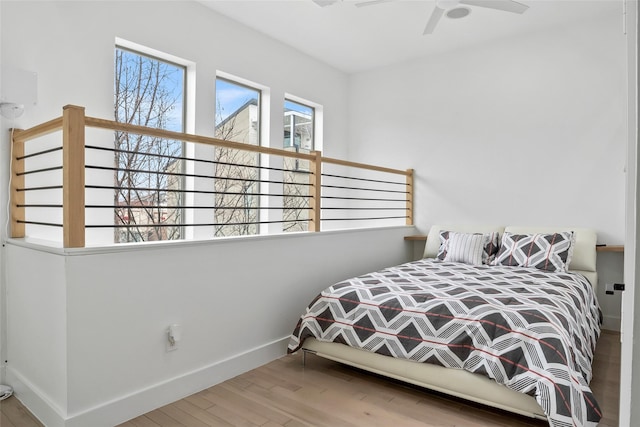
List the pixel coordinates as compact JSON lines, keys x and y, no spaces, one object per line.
{"x":354,"y":39}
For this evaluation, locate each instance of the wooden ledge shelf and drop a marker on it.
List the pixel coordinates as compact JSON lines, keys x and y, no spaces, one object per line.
{"x":604,"y":248}
{"x":610,"y":248}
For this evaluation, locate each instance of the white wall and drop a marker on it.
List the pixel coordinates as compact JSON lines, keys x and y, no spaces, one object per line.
{"x":463,"y":120}
{"x":37,"y":328}
{"x":527,"y":130}
{"x":88,"y":328}
{"x":108,"y":311}
{"x":630,"y":362}
{"x":610,"y":266}
{"x":530,"y":130}
{"x":72,"y":52}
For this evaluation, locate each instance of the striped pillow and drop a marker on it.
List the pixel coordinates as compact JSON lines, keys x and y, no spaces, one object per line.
{"x":490,"y":248}
{"x":549,"y":252}
{"x":465,"y":247}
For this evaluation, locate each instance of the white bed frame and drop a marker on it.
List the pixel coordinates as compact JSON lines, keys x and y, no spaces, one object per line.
{"x":458,"y":382}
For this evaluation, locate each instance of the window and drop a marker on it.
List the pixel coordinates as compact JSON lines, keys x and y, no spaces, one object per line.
{"x":236,"y":176}
{"x":298,"y":137}
{"x":148,"y":178}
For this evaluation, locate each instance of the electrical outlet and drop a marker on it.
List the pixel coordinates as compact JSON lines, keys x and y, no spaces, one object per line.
{"x":171,"y":345}
{"x":608,"y":288}
{"x":174,"y":334}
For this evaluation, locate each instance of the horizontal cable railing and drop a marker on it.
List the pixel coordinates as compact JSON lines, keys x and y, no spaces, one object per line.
{"x":235,"y":188}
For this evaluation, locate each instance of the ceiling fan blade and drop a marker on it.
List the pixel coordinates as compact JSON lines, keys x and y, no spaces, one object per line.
{"x":506,"y":5}
{"x":372,"y":2}
{"x":323,"y":3}
{"x":433,"y":20}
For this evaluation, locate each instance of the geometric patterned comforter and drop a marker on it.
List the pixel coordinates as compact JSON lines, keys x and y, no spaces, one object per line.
{"x":531,"y":330}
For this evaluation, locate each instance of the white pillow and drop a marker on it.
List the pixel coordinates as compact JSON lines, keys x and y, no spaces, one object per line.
{"x":490,"y":248}
{"x":465,"y":247}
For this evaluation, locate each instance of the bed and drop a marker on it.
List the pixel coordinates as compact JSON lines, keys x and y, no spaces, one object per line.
{"x":515,"y":329}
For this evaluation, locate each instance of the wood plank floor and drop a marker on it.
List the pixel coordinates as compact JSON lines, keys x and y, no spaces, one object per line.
{"x":324,"y":393}
{"x":14,"y":414}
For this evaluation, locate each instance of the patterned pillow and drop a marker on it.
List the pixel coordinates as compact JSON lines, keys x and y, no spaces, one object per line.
{"x":463,"y":247}
{"x":550,"y":252}
{"x":490,"y":245}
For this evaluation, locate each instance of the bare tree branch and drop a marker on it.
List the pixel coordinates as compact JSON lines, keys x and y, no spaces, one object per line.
{"x":145,"y":95}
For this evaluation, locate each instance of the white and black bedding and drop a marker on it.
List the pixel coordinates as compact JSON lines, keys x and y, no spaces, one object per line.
{"x":533,"y":331}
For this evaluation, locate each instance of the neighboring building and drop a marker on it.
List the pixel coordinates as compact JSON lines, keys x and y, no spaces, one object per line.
{"x":237,"y":206}
{"x":298,"y":137}
{"x":302,"y":125}
{"x":144,"y":210}
{"x":237,"y":186}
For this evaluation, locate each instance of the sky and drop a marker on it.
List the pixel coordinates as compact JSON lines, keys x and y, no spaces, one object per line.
{"x":231,"y":96}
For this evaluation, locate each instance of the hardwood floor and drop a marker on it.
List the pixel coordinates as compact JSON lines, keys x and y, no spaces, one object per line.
{"x":14,"y":414}
{"x":606,"y":377}
{"x":324,"y":393}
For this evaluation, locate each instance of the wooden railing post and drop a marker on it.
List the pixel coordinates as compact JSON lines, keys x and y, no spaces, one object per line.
{"x":73,"y":216}
{"x":17,"y":210}
{"x":315,"y":168}
{"x":410,"y":197}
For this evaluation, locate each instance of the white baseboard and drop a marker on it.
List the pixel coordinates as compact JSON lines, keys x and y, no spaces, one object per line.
{"x":47,"y":412}
{"x":611,"y":323}
{"x":132,"y":405}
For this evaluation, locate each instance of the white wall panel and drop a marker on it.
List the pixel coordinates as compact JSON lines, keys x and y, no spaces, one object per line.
{"x":528,"y":130}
